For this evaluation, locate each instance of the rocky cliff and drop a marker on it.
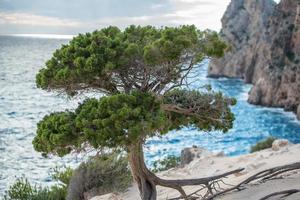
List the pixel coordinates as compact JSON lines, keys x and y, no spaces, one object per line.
{"x":265,"y":50}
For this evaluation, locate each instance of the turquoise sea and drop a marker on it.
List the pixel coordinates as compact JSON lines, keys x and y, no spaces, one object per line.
{"x":22,"y":105}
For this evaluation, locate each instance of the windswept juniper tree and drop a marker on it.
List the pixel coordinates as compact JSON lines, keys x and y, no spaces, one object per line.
{"x":141,"y":71}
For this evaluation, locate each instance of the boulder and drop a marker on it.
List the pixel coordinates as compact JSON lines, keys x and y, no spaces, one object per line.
{"x":191,"y":153}
{"x":277,"y":144}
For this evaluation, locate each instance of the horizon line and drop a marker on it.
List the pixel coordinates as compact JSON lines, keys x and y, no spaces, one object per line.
{"x":42,"y":35}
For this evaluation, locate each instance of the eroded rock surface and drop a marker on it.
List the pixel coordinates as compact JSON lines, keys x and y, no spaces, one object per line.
{"x":278,"y":144}
{"x":265,"y":50}
{"x":190,"y":154}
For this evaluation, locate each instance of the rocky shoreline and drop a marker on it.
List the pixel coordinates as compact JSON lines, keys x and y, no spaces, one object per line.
{"x":264,"y":40}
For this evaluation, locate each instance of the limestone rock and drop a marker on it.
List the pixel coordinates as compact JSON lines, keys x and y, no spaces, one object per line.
{"x":242,"y":26}
{"x":220,"y":154}
{"x":189,"y":154}
{"x":277,"y":144}
{"x":265,"y":50}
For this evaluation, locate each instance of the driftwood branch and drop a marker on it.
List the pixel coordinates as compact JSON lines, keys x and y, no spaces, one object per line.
{"x":212,"y":185}
{"x":284,"y":193}
{"x":200,"y":181}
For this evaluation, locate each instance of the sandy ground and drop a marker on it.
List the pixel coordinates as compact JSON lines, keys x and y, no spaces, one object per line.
{"x":213,"y":164}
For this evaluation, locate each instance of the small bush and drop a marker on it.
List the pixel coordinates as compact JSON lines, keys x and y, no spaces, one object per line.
{"x":265,"y":144}
{"x":100,"y":175}
{"x":62,"y":176}
{"x":23,"y":190}
{"x":165,"y":164}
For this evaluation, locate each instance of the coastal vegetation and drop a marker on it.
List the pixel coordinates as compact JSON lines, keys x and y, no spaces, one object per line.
{"x":22,"y":189}
{"x":264,"y":144}
{"x":143,"y":73}
{"x":169,"y":162}
{"x":98,"y":175}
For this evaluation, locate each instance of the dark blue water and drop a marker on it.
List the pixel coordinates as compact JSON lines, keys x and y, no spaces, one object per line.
{"x":22,"y":105}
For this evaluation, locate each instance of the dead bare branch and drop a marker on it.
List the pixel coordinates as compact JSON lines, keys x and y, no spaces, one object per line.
{"x":213,"y":188}
{"x":284,"y":193}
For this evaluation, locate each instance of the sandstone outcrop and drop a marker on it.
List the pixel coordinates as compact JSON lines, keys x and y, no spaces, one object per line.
{"x":265,"y":50}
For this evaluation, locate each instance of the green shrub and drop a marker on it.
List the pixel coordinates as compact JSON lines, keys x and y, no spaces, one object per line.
{"x":62,"y":176}
{"x":23,"y":190}
{"x":165,"y":164}
{"x":264,"y":144}
{"x":100,"y":175}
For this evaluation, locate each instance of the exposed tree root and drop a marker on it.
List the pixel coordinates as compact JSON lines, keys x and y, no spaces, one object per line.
{"x":210,"y":183}
{"x":147,"y":181}
{"x":284,"y":193}
{"x":210,"y":187}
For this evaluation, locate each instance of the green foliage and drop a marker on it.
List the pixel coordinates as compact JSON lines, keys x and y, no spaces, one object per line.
{"x":55,"y":131}
{"x":213,"y":45}
{"x":107,"y":59}
{"x":265,"y":144}
{"x":121,"y":120}
{"x":165,"y":164}
{"x":62,"y":176}
{"x":139,"y":70}
{"x":100,"y":175}
{"x":211,"y":110}
{"x":113,"y":121}
{"x":23,"y":190}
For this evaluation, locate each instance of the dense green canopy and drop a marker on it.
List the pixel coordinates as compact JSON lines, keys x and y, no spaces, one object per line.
{"x":140,"y":70}
{"x":138,"y":58}
{"x":113,"y":121}
{"x":124,"y":119}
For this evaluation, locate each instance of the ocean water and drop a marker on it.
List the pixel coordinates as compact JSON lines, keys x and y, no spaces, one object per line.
{"x":22,"y":105}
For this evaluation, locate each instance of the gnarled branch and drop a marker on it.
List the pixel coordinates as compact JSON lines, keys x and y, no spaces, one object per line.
{"x":214,"y":189}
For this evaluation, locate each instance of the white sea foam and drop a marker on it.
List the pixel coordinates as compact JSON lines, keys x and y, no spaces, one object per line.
{"x":291,"y":115}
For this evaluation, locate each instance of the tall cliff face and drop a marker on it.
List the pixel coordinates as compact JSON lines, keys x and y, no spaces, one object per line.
{"x":265,"y":40}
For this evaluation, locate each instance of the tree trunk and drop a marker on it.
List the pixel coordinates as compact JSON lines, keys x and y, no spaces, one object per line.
{"x":141,"y":174}
{"x":147,"y":181}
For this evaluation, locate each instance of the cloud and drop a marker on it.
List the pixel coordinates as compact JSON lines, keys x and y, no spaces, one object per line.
{"x":203,"y":13}
{"x":35,"y":20}
{"x":157,"y":6}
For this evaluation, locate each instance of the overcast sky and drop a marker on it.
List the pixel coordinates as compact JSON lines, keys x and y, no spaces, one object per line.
{"x":74,"y":16}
